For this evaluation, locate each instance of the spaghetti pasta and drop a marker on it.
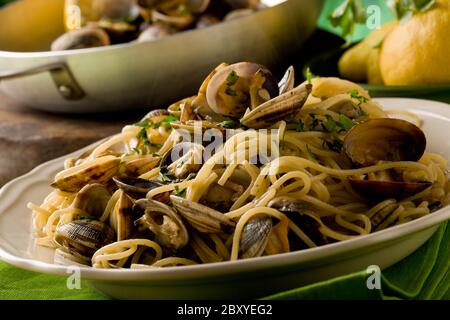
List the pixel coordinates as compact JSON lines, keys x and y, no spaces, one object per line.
{"x":298,"y":182}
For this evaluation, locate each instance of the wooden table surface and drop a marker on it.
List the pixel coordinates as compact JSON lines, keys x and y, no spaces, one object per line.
{"x":29,"y":138}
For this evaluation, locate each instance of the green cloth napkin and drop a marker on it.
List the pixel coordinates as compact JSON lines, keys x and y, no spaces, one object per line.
{"x":423,"y":275}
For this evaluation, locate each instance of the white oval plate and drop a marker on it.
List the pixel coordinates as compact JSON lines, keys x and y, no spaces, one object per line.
{"x":250,"y":278}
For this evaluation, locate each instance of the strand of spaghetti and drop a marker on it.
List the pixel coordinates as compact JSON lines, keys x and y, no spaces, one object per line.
{"x":168,"y":188}
{"x":173,"y":261}
{"x":302,"y":145}
{"x":390,"y":219}
{"x":121,"y":249}
{"x":205,"y":254}
{"x":221,"y":249}
{"x":199,"y":191}
{"x":414,"y":212}
{"x":121,"y":137}
{"x":110,"y":206}
{"x":323,"y":205}
{"x":300,"y":163}
{"x":292,"y":175}
{"x":227,"y":174}
{"x":151,"y":174}
{"x":379,"y":206}
{"x":340,"y":220}
{"x":321,"y":191}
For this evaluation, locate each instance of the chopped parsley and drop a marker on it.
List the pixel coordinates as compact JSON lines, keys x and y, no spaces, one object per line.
{"x":228,"y":124}
{"x":300,"y":126}
{"x":182,"y":10}
{"x":309,"y":75}
{"x":345,"y":122}
{"x":180,"y":192}
{"x":166,"y":177}
{"x":329,"y":125}
{"x":232,"y":78}
{"x":355,"y":95}
{"x":230,"y":92}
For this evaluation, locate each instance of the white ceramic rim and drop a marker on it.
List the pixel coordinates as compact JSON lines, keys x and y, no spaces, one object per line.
{"x":229,"y":267}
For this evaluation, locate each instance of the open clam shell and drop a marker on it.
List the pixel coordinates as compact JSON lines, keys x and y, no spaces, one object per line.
{"x":92,"y":199}
{"x":202,"y":218}
{"x":255,"y":237}
{"x":278,"y":108}
{"x":88,"y":37}
{"x":236,"y":82}
{"x":379,"y":190}
{"x":99,"y":170}
{"x":384,"y":140}
{"x":164,"y":222}
{"x":83,"y":237}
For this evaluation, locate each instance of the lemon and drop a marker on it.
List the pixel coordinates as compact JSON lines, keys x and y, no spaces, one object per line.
{"x":31,"y":25}
{"x":353,"y":64}
{"x":373,"y":67}
{"x":418,"y":50}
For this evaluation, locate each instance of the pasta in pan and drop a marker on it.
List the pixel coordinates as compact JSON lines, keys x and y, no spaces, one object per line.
{"x":248,"y":167}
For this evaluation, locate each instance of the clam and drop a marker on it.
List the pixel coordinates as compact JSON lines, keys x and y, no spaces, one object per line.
{"x":82,"y":238}
{"x":141,"y":165}
{"x":202,"y":218}
{"x":92,"y":199}
{"x":164,"y":222}
{"x":121,"y":218}
{"x":255,"y":237}
{"x":342,"y":104}
{"x":155,"y":31}
{"x":183,"y":159}
{"x":99,"y":170}
{"x":237,"y":87}
{"x":287,"y":83}
{"x":238,"y":13}
{"x":278,"y":108}
{"x":120,"y":10}
{"x":207,"y":20}
{"x":384,"y":140}
{"x":62,"y":257}
{"x":378,"y":140}
{"x":383,"y":214}
{"x":200,"y":104}
{"x":135,"y":187}
{"x":180,"y":22}
{"x":297,"y":210}
{"x":81,"y":39}
{"x":378,"y":190}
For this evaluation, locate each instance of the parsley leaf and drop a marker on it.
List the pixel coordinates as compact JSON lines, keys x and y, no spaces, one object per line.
{"x":300,"y":126}
{"x":230,"y":92}
{"x":232,"y":78}
{"x":309,"y":75}
{"x":347,"y":15}
{"x":329,"y":124}
{"x":180,"y":192}
{"x":345,"y":122}
{"x":228,"y":124}
{"x":166,"y":177}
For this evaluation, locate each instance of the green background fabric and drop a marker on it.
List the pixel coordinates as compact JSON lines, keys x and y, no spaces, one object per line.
{"x":423,"y":275}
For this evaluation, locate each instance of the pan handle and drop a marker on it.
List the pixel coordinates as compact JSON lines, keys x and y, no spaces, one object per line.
{"x":59,"y":71}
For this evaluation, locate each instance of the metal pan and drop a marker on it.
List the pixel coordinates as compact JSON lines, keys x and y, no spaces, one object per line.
{"x":145,"y":75}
